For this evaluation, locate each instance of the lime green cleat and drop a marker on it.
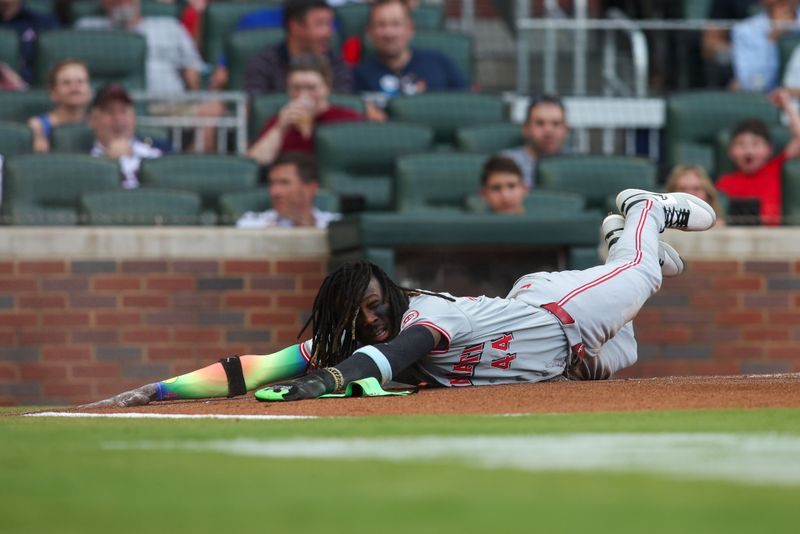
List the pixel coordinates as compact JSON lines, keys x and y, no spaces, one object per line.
{"x":272,"y":393}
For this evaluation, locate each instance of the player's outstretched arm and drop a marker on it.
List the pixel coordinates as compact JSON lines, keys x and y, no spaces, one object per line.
{"x":229,"y":377}
{"x":381,"y":361}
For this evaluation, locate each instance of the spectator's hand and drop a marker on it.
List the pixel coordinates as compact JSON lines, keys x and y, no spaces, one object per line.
{"x":299,"y":114}
{"x":119,"y":147}
{"x":219,"y":78}
{"x":781,"y":98}
{"x":374,"y":113}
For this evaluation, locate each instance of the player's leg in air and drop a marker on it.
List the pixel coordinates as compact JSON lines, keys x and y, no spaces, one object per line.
{"x":373,"y":317}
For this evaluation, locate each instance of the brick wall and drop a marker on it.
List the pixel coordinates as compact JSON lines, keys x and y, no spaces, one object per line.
{"x":722,"y":317}
{"x":77,"y":330}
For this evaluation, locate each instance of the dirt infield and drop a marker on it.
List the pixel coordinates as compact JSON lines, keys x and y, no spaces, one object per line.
{"x":671,"y":393}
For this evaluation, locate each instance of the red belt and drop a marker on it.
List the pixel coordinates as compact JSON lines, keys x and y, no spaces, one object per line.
{"x":578,"y":349}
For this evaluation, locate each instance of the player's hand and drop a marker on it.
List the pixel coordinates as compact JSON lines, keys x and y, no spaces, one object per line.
{"x":310,"y":386}
{"x":135,"y":397}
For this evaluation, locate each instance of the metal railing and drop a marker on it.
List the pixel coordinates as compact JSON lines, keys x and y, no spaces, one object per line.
{"x":233,"y":120}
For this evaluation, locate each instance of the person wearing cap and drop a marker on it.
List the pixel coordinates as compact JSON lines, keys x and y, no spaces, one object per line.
{"x":113,"y":120}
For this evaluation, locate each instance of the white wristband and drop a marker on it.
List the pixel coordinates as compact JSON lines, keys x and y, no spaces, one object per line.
{"x":380,"y":360}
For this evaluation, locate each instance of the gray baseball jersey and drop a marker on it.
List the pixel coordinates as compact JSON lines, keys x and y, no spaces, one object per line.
{"x":530,"y":334}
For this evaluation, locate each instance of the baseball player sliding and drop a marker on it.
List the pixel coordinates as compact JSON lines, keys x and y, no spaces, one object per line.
{"x":571,"y":323}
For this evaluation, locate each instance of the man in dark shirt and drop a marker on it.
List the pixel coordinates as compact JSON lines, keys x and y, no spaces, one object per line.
{"x":28,"y":25}
{"x":309,"y":28}
{"x":397,"y":69}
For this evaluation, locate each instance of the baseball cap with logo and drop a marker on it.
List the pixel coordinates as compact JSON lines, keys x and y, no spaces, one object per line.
{"x":109,"y":93}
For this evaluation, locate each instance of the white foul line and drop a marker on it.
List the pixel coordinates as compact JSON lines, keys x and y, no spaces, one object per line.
{"x":167,"y":416}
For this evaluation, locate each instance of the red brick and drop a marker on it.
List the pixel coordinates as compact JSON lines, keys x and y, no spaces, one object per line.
{"x":92,"y":301}
{"x":147,"y":335}
{"x":18,"y":319}
{"x":197,"y":301}
{"x":40,"y":371}
{"x":295,"y":302}
{"x":664,"y":335}
{"x":118,"y":319}
{"x":42,"y":302}
{"x":284,"y":336}
{"x":169,"y":353}
{"x":780,"y":352}
{"x":727,"y":351}
{"x":8,"y":401}
{"x":7,"y":338}
{"x":715,"y":267}
{"x":9,"y":371}
{"x":95,"y":335}
{"x":198,"y":335}
{"x":144,"y":266}
{"x":195,"y":266}
{"x":72,"y":283}
{"x":739,"y":282}
{"x":95,"y":370}
{"x":41,"y":337}
{"x":273,"y":318}
{"x":17,"y":285}
{"x":713,"y":300}
{"x":66,"y":319}
{"x":206,"y":355}
{"x":767,"y":267}
{"x":66,"y":353}
{"x":108,"y":388}
{"x":73,"y":392}
{"x":247,"y":300}
{"x":648,"y":317}
{"x":293,"y":266}
{"x":116,"y":283}
{"x":171,"y":283}
{"x":248,"y":267}
{"x":42,"y":267}
{"x":765,"y":333}
{"x":740,"y":317}
{"x":7,"y":267}
{"x":145,"y":301}
{"x":311,"y":283}
{"x":783,"y":317}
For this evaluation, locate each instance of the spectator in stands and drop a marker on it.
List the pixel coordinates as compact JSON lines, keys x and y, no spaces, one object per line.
{"x":694,"y":179}
{"x":758,"y":173}
{"x":716,"y":41}
{"x":309,"y":28}
{"x":28,"y":24}
{"x":173,"y":63}
{"x":293,"y":182}
{"x":755,"y":51}
{"x":545,"y":131}
{"x":114,"y":123}
{"x":68,"y":82}
{"x":10,"y":80}
{"x":502,"y":186}
{"x":292,"y":129}
{"x":396,"y":68}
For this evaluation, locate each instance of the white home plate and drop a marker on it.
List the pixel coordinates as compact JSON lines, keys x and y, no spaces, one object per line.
{"x":750,"y":458}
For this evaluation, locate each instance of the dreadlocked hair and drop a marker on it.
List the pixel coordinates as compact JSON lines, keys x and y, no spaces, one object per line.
{"x":335,"y":312}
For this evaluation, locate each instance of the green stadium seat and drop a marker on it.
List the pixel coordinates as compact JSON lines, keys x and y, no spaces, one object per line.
{"x":264,"y":107}
{"x":786,"y":45}
{"x":243,"y":45}
{"x":208,"y":175}
{"x":219,"y":21}
{"x":438,"y":181}
{"x":234,"y":205}
{"x":358,"y":158}
{"x":45,"y":189}
{"x":112,"y":55}
{"x":150,"y":8}
{"x":79,"y":138}
{"x":9,"y":49}
{"x":547,"y":204}
{"x":19,"y":106}
{"x":15,"y":139}
{"x":791,"y":193}
{"x":489,"y":138}
{"x":141,"y":207}
{"x":694,"y":119}
{"x":595,"y":177}
{"x":446,"y":112}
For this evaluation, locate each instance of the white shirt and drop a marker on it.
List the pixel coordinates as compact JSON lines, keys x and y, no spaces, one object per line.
{"x":270,"y":218}
{"x":129,"y":165}
{"x":169,"y":50}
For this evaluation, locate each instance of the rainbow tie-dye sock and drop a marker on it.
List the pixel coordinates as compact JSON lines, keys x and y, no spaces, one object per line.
{"x":258,"y":370}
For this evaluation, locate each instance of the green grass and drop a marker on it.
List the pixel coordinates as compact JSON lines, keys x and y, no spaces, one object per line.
{"x":58,"y":475}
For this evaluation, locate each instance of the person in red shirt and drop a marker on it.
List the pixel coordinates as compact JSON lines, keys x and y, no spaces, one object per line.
{"x":308,"y":84}
{"x":758,"y":173}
